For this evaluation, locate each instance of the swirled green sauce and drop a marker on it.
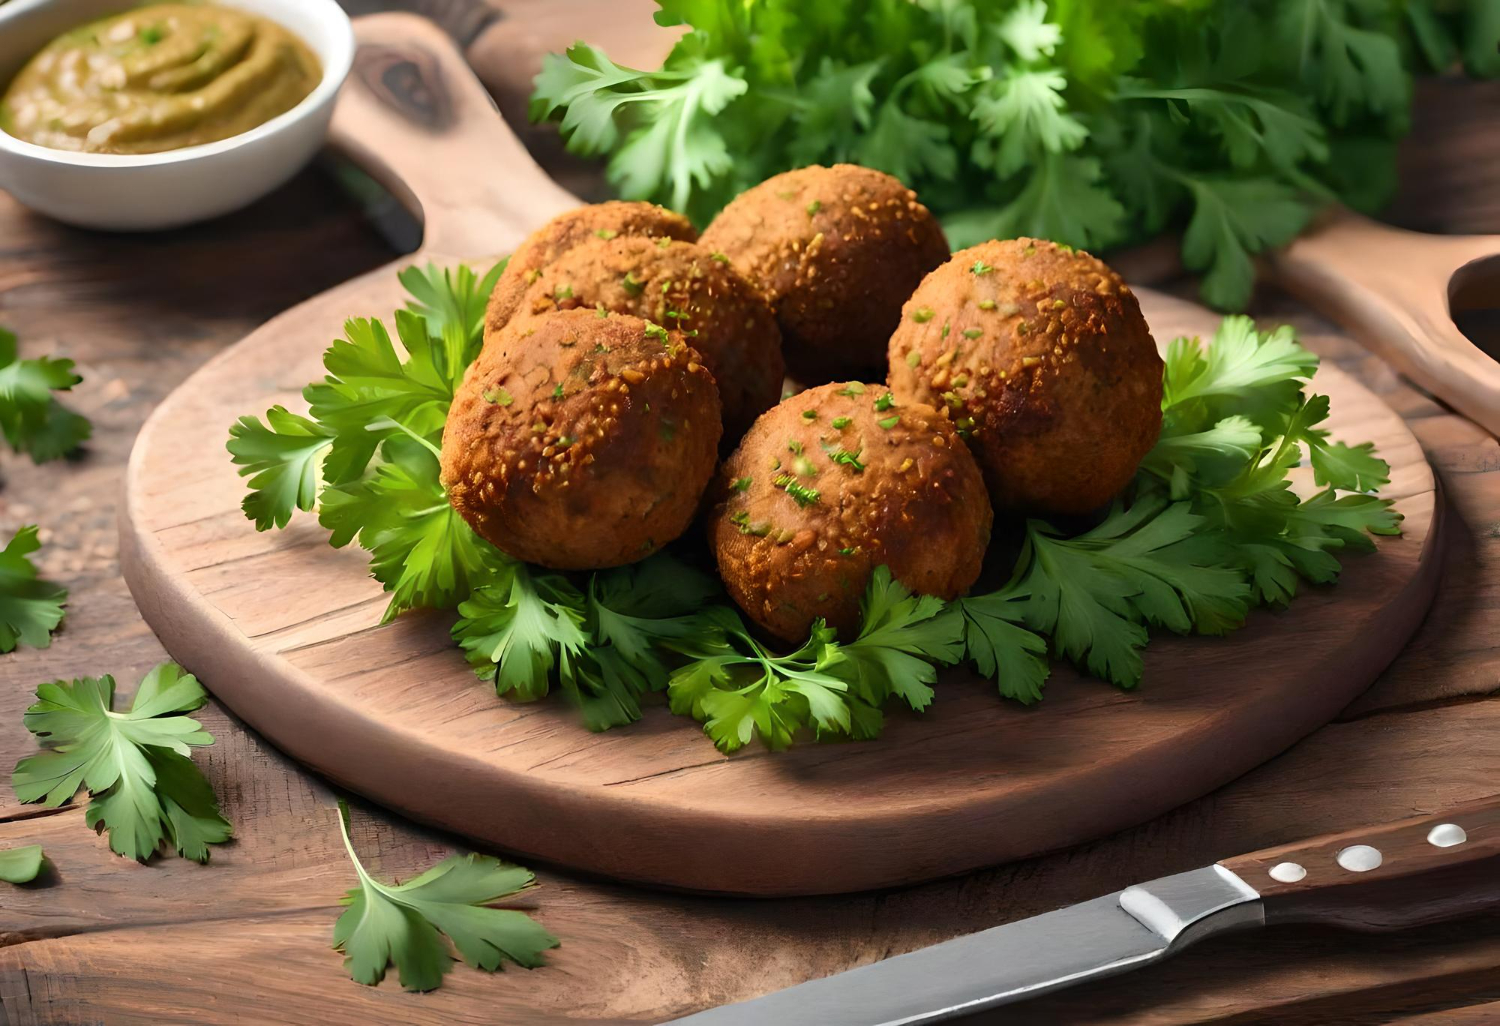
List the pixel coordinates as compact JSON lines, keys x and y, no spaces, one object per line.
{"x":159,"y":78}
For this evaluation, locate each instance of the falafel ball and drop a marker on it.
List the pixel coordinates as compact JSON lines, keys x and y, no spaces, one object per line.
{"x":582,"y":442}
{"x":679,"y":285}
{"x":831,"y":484}
{"x":1040,"y":355}
{"x":563,"y":232}
{"x":836,"y":250}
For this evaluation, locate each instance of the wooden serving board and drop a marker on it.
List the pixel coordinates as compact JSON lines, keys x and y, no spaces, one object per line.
{"x":284,"y":629}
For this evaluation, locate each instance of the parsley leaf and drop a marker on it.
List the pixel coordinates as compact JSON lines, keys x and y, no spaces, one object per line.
{"x":367,"y":455}
{"x":1001,"y":646}
{"x":740,"y":689}
{"x":399,"y":923}
{"x":669,"y":142}
{"x":30,"y":608}
{"x":1231,"y":220}
{"x":137,"y":764}
{"x":31,"y":418}
{"x":902,"y":639}
{"x":516,"y":631}
{"x":452,"y":301}
{"x":21,"y":865}
{"x":424,"y":553}
{"x":282,"y":455}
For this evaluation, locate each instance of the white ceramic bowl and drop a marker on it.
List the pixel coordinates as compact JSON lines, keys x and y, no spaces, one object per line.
{"x":165,"y":190}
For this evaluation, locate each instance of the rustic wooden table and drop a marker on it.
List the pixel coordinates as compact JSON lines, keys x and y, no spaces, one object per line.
{"x":246,"y":938}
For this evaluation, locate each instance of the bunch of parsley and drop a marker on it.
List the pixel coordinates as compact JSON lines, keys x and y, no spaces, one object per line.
{"x":1210,"y":528}
{"x":1092,"y":122}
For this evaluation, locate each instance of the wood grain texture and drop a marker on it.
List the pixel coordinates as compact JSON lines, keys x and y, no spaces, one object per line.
{"x":93,"y":945}
{"x":292,"y":628}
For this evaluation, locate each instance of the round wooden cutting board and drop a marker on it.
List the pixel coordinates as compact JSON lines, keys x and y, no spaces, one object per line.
{"x":284,"y":629}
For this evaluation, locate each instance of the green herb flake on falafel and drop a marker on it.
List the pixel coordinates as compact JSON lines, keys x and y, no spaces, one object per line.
{"x":890,"y":422}
{"x":848,"y":459}
{"x":922,"y":314}
{"x":742,"y":484}
{"x":498,"y":396}
{"x":851,"y":389}
{"x":632,"y":284}
{"x":884,"y":403}
{"x":801,"y":494}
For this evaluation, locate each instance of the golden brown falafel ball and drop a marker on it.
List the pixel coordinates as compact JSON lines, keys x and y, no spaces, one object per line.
{"x":678,"y":285}
{"x":563,"y":232}
{"x":831,"y":484}
{"x":581,"y":441}
{"x":1040,"y":355}
{"x":836,"y":250}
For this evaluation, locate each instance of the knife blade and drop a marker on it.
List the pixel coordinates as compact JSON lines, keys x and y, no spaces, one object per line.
{"x":1111,"y":934}
{"x":1409,"y":873}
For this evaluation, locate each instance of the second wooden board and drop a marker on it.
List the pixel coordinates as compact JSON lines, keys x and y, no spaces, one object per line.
{"x":285,"y":630}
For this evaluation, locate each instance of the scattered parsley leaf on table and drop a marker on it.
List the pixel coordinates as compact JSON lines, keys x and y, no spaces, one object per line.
{"x":136,"y":765}
{"x":30,"y":608}
{"x":31,"y":418}
{"x":400,"y":923}
{"x":21,"y":865}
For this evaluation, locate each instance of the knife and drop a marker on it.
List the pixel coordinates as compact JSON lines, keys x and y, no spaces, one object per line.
{"x":1410,"y":873}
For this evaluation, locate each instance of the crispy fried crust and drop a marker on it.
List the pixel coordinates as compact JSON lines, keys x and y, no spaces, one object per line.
{"x":563,"y":232}
{"x":578,"y":442}
{"x":836,"y":250}
{"x":916,"y":503}
{"x":679,"y":285}
{"x":1041,"y":356}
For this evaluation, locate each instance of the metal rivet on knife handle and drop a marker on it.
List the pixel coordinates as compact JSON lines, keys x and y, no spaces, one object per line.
{"x":1408,"y":873}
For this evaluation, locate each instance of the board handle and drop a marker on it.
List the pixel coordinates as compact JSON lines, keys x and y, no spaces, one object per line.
{"x":414,"y":116}
{"x":1410,"y":873}
{"x":1392,"y":289}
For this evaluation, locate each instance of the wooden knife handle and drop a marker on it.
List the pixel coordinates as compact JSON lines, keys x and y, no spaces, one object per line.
{"x":1417,"y":871}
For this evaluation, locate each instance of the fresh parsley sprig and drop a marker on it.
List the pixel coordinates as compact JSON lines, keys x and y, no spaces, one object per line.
{"x":366,"y":456}
{"x":404,"y":924}
{"x":32,"y":419}
{"x":1092,"y":122}
{"x":137,"y":764}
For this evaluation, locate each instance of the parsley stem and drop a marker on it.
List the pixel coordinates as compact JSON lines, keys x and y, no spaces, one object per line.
{"x":382,"y":423}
